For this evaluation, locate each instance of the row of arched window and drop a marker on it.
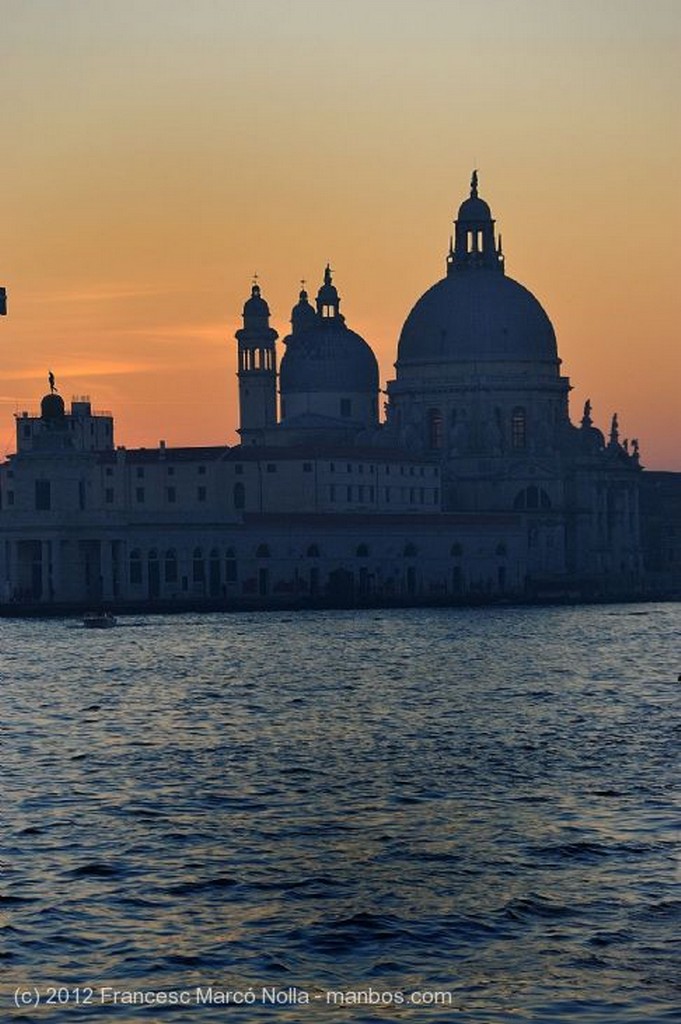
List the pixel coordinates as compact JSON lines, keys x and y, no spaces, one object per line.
{"x":167,"y":564}
{"x":436,"y":427}
{"x":168,"y":561}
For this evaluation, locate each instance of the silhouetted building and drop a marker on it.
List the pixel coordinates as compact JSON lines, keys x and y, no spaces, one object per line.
{"x":477,"y":485}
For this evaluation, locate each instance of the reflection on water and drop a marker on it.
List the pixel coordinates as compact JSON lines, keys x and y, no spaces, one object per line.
{"x":478,"y":802}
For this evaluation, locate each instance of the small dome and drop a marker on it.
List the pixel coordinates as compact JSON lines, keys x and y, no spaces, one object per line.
{"x":328,"y":357}
{"x":481,"y":316}
{"x":474,"y":208}
{"x":303,"y":315}
{"x":327,"y":294}
{"x":52,"y":407}
{"x":256,"y":305}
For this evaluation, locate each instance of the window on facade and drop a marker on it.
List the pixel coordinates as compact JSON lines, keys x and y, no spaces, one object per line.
{"x":108,"y":471}
{"x":456,"y":550}
{"x":140,"y":472}
{"x":313,"y":551}
{"x":345,"y":407}
{"x":239,"y":470}
{"x":518,"y":427}
{"x":307,"y":467}
{"x":201,"y":470}
{"x":201,"y":493}
{"x":109,"y":495}
{"x":362,"y":551}
{"x":170,"y":566}
{"x":348,"y":493}
{"x":43,"y":495}
{"x":332,"y":492}
{"x":271,"y":467}
{"x":198,"y":566}
{"x":170,"y":471}
{"x":262,"y":551}
{"x":409,"y":551}
{"x":139,"y":494}
{"x":501,"y":549}
{"x":435,"y":429}
{"x":239,"y":495}
{"x":230,"y":566}
{"x":531,"y":498}
{"x":135,"y":567}
{"x":170,"y":494}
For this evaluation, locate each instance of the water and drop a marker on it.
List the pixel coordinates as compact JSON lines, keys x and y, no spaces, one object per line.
{"x":476,"y":806}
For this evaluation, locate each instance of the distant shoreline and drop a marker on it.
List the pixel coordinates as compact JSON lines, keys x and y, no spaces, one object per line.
{"x":39,"y":610}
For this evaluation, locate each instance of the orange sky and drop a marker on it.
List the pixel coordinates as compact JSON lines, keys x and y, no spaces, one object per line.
{"x":158,"y":152}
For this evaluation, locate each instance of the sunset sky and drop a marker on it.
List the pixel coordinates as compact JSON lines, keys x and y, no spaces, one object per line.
{"x":156,"y":153}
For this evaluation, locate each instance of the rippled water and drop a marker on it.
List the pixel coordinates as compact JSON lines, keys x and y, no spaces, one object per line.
{"x":477,"y":804}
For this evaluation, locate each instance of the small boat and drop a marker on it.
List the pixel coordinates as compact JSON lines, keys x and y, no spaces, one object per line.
{"x":99,"y":620}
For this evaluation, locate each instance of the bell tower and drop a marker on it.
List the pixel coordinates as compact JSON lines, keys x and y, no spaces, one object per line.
{"x":257,"y":370}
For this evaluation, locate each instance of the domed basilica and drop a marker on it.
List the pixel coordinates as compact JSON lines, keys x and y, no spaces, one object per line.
{"x":478,"y":393}
{"x":475,"y":486}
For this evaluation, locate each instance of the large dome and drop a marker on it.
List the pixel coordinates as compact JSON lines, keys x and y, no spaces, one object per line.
{"x":328,"y":358}
{"x":480,"y":315}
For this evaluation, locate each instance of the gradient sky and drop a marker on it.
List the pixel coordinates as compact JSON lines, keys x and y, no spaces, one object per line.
{"x":155,"y":153}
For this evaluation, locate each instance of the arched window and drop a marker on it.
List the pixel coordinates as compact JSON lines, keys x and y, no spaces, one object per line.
{"x":198,"y":566}
{"x":170,"y":566}
{"x":410,"y":551}
{"x":518,"y":427}
{"x":239,"y":495}
{"x":531,"y":498}
{"x":262,"y":551}
{"x":214,"y":578}
{"x":362,"y":551}
{"x":136,"y":567}
{"x":435,"y":429}
{"x":313,"y":551}
{"x":230,"y":566}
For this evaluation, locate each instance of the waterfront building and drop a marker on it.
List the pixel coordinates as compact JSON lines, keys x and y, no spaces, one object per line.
{"x":475,"y":486}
